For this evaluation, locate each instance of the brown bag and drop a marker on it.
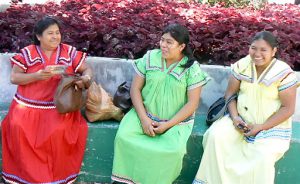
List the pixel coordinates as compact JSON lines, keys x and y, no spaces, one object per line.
{"x":99,"y":105}
{"x":68,"y":96}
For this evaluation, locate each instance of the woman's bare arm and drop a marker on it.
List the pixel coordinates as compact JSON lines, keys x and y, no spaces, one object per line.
{"x":19,"y":77}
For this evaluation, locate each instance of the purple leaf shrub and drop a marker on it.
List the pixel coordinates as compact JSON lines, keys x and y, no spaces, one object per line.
{"x":128,"y":28}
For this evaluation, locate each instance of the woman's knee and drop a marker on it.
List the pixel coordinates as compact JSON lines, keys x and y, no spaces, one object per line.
{"x":220,"y":131}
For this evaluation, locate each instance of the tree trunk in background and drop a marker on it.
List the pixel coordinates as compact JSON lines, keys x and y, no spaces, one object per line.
{"x":258,"y":3}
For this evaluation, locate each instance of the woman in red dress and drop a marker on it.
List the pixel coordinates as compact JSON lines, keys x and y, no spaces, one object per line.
{"x":40,"y":145}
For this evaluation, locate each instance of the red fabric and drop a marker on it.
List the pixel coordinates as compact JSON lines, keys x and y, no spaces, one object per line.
{"x":40,"y":145}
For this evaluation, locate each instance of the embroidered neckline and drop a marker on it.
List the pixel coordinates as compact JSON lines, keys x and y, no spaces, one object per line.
{"x":30,"y":56}
{"x":33,"y":55}
{"x":175,"y":70}
{"x":265,"y":72}
{"x":171,"y":67}
{"x":151,"y":65}
{"x":40,"y":53}
{"x":267,"y":77}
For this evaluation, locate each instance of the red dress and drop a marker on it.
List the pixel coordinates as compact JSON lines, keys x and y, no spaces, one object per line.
{"x":39,"y":145}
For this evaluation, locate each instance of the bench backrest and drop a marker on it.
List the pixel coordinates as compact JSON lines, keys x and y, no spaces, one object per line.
{"x":110,"y":72}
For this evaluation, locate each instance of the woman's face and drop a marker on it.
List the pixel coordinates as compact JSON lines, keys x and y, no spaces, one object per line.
{"x":50,"y":37}
{"x":170,"y":48}
{"x":261,"y":53}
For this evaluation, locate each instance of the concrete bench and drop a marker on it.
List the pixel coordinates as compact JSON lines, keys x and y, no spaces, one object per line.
{"x":97,"y":164}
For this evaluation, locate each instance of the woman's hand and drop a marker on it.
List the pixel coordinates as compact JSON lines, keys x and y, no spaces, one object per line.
{"x":148,"y":127}
{"x":84,"y":82}
{"x":240,"y":124}
{"x":44,"y":74}
{"x":254,"y":129}
{"x":160,"y":127}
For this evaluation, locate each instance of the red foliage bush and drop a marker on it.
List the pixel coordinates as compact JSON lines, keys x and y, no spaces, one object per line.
{"x":126,"y":29}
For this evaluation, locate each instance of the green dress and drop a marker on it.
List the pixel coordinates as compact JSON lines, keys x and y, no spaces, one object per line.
{"x":139,"y":158}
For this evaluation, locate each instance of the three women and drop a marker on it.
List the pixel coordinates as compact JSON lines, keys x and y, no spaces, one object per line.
{"x":151,"y":140}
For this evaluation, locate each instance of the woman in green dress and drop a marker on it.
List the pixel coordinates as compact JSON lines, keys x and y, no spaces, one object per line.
{"x":151,"y":140}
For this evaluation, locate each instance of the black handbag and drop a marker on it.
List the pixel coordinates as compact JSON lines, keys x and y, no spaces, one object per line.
{"x":122,"y":97}
{"x":218,"y":109}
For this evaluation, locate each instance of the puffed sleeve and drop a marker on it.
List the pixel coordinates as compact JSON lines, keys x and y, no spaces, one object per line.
{"x":19,"y":60}
{"x":235,"y":71}
{"x":241,"y":69}
{"x":288,"y":81}
{"x":196,"y":77}
{"x":77,"y":58}
{"x":139,"y":65}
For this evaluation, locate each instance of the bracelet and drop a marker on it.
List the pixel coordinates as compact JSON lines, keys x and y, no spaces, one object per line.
{"x":235,"y":117}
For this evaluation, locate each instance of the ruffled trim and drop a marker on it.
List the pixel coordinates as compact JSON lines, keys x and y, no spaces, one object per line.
{"x":122,"y":179}
{"x":244,"y":70}
{"x":14,"y":60}
{"x":273,"y":133}
{"x":32,"y":55}
{"x":242,"y":65}
{"x":277,"y":77}
{"x":64,"y":58}
{"x":196,"y":181}
{"x":189,"y":120}
{"x":33,"y":103}
{"x":158,"y":64}
{"x":288,"y":85}
{"x":65,"y":55}
{"x":10,"y":178}
{"x":134,"y":65}
{"x":178,"y":72}
{"x":201,"y":83}
{"x":82,"y":59}
{"x":153,"y":65}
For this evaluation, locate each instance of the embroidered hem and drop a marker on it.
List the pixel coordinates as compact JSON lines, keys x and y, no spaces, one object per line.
{"x":273,"y":133}
{"x":188,"y":120}
{"x":196,"y":181}
{"x":122,"y":179}
{"x":33,"y":104}
{"x":10,"y":178}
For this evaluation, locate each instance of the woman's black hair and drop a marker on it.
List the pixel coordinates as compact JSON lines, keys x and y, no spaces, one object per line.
{"x":181,"y":35}
{"x":268,"y":37}
{"x":41,"y":26}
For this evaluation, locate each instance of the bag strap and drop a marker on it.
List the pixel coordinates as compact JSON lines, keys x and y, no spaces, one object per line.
{"x":224,"y":108}
{"x":230,"y":99}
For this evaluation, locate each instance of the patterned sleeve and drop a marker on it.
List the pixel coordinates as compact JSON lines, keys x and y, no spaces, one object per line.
{"x":196,"y":77}
{"x":235,"y":71}
{"x":240,"y":69}
{"x":288,"y":81}
{"x":77,"y":58}
{"x":19,"y":60}
{"x":139,"y":65}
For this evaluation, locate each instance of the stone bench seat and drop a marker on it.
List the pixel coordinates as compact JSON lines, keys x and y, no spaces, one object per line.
{"x":98,"y":158}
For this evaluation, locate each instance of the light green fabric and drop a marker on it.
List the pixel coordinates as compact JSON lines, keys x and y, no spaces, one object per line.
{"x":156,"y":160}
